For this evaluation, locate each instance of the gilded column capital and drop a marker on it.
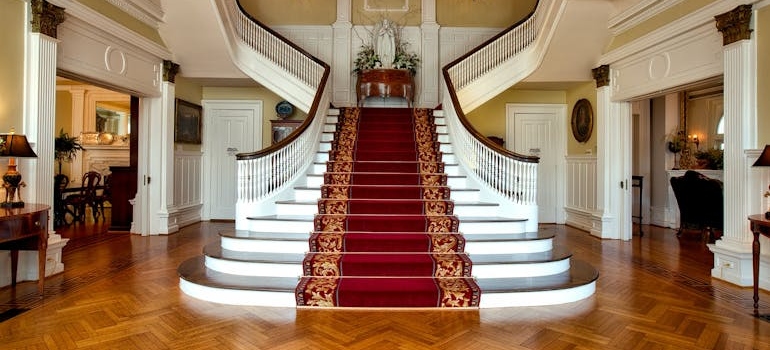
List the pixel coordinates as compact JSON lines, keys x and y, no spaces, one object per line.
{"x":169,"y":71}
{"x":46,"y":17}
{"x":602,"y":75}
{"x":734,"y":25}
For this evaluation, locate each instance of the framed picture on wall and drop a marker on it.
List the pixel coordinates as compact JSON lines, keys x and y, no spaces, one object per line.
{"x":582,"y":120}
{"x":187,"y":122}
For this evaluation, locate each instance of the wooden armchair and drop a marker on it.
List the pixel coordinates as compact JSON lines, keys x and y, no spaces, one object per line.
{"x":700,"y":200}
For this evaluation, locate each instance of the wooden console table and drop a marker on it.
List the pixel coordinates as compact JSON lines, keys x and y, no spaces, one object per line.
{"x":759,"y":226}
{"x":25,"y":229}
{"x":385,"y":83}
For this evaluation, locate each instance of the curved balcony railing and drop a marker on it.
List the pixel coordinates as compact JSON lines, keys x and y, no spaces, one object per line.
{"x":512,"y":175}
{"x":264,"y":173}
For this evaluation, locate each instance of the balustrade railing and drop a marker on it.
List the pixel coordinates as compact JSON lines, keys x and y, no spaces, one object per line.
{"x":264,"y":173}
{"x":500,"y":48}
{"x":511,"y":175}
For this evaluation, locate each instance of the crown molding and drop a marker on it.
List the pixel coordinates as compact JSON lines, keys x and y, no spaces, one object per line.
{"x":638,"y":13}
{"x":703,"y":16}
{"x":146,"y":11}
{"x":76,"y":9}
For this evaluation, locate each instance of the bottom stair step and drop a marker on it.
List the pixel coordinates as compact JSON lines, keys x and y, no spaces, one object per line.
{"x":202,"y":283}
{"x":394,"y":292}
{"x":578,"y":283}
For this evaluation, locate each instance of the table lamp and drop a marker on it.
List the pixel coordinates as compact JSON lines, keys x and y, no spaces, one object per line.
{"x":764,"y":160}
{"x":13,"y":146}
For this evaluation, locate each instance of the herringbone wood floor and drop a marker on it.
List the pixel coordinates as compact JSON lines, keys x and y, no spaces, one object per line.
{"x":121,"y":292}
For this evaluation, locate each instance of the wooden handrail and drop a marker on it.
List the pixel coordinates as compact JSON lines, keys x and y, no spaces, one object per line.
{"x":295,"y":134}
{"x":456,"y":102}
{"x":316,"y":100}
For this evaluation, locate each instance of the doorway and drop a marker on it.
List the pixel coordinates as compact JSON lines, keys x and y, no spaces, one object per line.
{"x":538,"y":130}
{"x":97,"y":125}
{"x":231,"y":127}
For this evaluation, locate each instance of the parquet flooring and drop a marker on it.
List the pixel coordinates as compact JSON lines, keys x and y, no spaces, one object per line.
{"x":121,"y":292}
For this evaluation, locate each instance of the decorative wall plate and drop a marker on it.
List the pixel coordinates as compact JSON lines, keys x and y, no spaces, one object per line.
{"x":582,"y":120}
{"x":284,"y":109}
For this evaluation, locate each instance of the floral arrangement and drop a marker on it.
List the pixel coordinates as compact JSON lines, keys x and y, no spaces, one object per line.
{"x":367,"y":57}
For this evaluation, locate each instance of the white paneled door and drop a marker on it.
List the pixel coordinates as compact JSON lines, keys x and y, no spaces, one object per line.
{"x":234,"y":127}
{"x":538,"y":130}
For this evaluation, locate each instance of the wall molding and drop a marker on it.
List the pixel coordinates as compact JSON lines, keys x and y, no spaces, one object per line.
{"x":147,"y":12}
{"x":639,"y":13}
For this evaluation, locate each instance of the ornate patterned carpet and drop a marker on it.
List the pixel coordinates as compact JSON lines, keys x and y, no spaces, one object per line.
{"x":385,"y":234}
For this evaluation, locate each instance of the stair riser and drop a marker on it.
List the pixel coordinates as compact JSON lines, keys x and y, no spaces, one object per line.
{"x":537,"y":298}
{"x":454,"y":182}
{"x":265,"y":246}
{"x":505,"y":247}
{"x":312,"y":208}
{"x":491,"y":227}
{"x":279,"y":226}
{"x":475,"y":210}
{"x":520,"y":270}
{"x":449,"y":169}
{"x":244,"y":268}
{"x":239,"y":297}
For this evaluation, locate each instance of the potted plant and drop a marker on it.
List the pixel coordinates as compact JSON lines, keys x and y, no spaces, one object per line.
{"x":65,"y":148}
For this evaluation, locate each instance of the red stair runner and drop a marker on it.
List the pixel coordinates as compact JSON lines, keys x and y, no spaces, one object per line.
{"x":385,"y":234}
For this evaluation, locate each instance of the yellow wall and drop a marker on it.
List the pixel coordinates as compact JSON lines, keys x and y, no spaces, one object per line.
{"x":586,"y":91}
{"x":282,"y":12}
{"x":411,"y":17}
{"x":763,"y":75}
{"x":676,"y":12}
{"x":117,"y":15}
{"x":268,"y":98}
{"x":489,"y":118}
{"x":64,"y":122}
{"x":12,"y":64}
{"x":487,"y":13}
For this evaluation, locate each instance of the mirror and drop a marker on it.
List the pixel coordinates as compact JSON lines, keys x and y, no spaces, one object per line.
{"x":112,"y":117}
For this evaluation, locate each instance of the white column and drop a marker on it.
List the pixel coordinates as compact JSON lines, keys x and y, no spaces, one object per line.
{"x":732,"y":253}
{"x":166,"y":223}
{"x":39,"y":119}
{"x":341,"y":61}
{"x":613,"y":166}
{"x":429,"y":89}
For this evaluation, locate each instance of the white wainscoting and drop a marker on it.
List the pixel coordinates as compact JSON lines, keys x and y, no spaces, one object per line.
{"x":582,"y":211}
{"x":187,"y":187}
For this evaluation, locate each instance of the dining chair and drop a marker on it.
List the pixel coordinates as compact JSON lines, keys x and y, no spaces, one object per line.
{"x":86,"y":196}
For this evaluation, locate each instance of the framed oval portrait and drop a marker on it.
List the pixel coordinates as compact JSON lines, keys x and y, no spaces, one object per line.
{"x":582,"y":120}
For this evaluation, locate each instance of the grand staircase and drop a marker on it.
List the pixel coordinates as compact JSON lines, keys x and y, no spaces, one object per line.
{"x":386,"y":218}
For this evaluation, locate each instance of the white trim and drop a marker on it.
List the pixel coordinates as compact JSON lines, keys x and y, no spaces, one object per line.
{"x":145,"y":12}
{"x":697,"y":18}
{"x":96,"y":19}
{"x":637,"y":14}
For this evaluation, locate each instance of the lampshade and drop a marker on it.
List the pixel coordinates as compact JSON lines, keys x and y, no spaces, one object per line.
{"x":764,"y":158}
{"x":16,"y":145}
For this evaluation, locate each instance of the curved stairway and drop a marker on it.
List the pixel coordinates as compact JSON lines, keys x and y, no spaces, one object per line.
{"x":393,"y":241}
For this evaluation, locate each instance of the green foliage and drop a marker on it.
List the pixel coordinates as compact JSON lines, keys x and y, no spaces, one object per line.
{"x":711,"y":158}
{"x":65,"y":148}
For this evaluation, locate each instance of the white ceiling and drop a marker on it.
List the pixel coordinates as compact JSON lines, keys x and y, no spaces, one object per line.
{"x":191,"y":31}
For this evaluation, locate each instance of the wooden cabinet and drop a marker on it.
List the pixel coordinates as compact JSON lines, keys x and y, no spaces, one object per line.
{"x":385,"y":83}
{"x":122,"y":189}
{"x":282,"y":128}
{"x":25,"y":228}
